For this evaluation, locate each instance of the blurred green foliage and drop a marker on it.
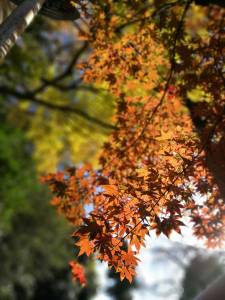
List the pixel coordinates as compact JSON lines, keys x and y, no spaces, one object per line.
{"x":27,"y":80}
{"x":34,"y":239}
{"x":35,"y":243}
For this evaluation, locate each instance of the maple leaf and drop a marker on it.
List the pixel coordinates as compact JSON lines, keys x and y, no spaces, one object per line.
{"x":129,"y":258}
{"x":86,"y":246}
{"x":110,"y":190}
{"x":142,"y":173}
{"x":127,"y":273}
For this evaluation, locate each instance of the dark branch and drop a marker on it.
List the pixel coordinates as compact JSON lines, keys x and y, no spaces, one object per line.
{"x":63,"y":108}
{"x":67,"y":72}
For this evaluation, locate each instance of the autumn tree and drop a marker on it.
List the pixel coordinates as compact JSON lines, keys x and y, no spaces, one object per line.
{"x":164,"y":65}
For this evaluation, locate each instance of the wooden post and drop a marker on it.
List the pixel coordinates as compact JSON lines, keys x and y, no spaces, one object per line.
{"x":16,"y":23}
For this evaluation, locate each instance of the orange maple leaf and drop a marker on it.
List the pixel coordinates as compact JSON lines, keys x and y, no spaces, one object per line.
{"x":85,"y":245}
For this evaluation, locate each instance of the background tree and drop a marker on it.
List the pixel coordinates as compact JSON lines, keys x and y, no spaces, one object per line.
{"x":35,"y":242}
{"x":25,"y":258}
{"x":34,"y":265}
{"x":44,"y":91}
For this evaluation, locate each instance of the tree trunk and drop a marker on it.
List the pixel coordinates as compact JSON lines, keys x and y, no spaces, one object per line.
{"x":16,"y":23}
{"x":215,"y":291}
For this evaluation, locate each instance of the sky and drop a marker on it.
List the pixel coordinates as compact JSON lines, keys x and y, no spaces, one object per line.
{"x":152,"y":269}
{"x":155,"y":267}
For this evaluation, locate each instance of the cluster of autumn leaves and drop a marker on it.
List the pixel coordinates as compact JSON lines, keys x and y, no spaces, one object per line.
{"x":78,"y":272}
{"x":154,"y":161}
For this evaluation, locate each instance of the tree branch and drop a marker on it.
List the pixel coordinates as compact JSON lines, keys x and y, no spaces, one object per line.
{"x":63,"y":108}
{"x":68,"y":71}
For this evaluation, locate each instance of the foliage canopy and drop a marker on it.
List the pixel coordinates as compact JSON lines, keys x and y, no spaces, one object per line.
{"x":163,"y":63}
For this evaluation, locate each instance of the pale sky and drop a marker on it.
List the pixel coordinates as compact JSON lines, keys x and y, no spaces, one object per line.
{"x":153,"y":268}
